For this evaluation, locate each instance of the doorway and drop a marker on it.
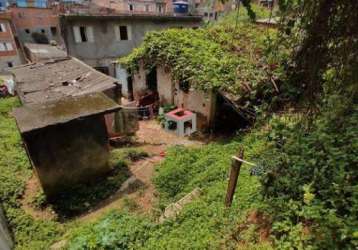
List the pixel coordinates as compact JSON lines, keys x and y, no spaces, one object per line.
{"x":151,"y":80}
{"x":130,"y":87}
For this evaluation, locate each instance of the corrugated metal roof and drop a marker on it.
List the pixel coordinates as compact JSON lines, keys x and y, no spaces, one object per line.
{"x":40,"y":115}
{"x":56,"y":79}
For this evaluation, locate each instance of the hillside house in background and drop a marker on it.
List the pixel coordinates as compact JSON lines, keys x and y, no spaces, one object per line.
{"x":99,"y":40}
{"x":211,"y":10}
{"x":137,"y":6}
{"x":10,"y":55}
{"x":36,"y":25}
{"x":66,"y":119}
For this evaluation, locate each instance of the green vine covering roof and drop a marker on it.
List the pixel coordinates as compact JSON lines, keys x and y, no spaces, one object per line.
{"x":223,"y":56}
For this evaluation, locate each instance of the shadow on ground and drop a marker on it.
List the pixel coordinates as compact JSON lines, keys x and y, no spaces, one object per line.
{"x":81,"y":199}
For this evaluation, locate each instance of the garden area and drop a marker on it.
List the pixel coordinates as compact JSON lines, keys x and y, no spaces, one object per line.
{"x":299,"y":83}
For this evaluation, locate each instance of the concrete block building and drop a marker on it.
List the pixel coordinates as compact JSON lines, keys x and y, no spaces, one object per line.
{"x":66,"y":120}
{"x":9,"y":52}
{"x":100,"y":39}
{"x":34,"y":21}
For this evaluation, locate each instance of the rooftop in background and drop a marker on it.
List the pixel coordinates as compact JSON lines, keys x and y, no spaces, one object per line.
{"x":42,"y":52}
{"x":91,"y":9}
{"x":132,"y":15}
{"x":40,"y":115}
{"x":56,"y":79}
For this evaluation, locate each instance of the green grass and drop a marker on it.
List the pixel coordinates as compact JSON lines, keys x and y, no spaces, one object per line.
{"x":203,"y":224}
{"x":15,"y":170}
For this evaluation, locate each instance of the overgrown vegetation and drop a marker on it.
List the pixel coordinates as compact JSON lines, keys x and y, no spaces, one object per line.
{"x":205,"y":223}
{"x":307,"y":195}
{"x":15,"y":170}
{"x":225,"y":56}
{"x":311,"y":180}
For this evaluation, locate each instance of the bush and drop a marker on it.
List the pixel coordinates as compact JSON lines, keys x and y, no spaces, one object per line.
{"x":312,"y":182}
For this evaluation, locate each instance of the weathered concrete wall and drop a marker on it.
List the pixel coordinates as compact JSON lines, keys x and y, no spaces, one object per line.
{"x":10,"y":56}
{"x":4,"y":60}
{"x":105,"y":48}
{"x":139,"y":82}
{"x":35,"y":20}
{"x":122,"y":75}
{"x":5,"y":239}
{"x":70,"y":153}
{"x":165,"y":86}
{"x":202,"y":103}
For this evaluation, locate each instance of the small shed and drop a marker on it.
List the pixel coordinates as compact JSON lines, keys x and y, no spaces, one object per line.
{"x":66,"y":140}
{"x":59,"y":78}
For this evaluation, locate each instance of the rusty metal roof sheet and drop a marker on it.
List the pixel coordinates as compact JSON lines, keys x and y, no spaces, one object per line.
{"x":55,"y":79}
{"x":40,"y":115}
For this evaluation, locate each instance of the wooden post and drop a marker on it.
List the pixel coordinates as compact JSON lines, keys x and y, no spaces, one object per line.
{"x":234,"y":175}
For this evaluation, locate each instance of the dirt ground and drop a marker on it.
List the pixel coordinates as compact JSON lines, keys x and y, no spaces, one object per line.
{"x":138,"y":190}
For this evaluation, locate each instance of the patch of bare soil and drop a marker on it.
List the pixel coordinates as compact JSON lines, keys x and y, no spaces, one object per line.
{"x":139,"y":188}
{"x":263,"y":224}
{"x":31,"y":190}
{"x":262,"y":229}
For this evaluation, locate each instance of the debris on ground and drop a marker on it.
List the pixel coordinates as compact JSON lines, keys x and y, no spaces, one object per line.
{"x":174,"y":209}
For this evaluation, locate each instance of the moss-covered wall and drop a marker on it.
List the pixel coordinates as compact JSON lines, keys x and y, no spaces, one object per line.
{"x":70,"y":153}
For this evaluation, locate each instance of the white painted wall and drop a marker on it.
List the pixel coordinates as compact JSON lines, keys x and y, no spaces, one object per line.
{"x":121,"y":75}
{"x":195,"y":100}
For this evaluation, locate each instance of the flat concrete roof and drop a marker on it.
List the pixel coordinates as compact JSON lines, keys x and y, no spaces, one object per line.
{"x":40,"y":115}
{"x":43,"y":52}
{"x":55,"y":79}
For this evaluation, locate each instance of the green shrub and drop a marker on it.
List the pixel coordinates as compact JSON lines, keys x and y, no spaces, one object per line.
{"x":312,"y":181}
{"x":117,"y":230}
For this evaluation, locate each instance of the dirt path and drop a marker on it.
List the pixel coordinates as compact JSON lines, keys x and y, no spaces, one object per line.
{"x":31,"y":190}
{"x":138,"y":188}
